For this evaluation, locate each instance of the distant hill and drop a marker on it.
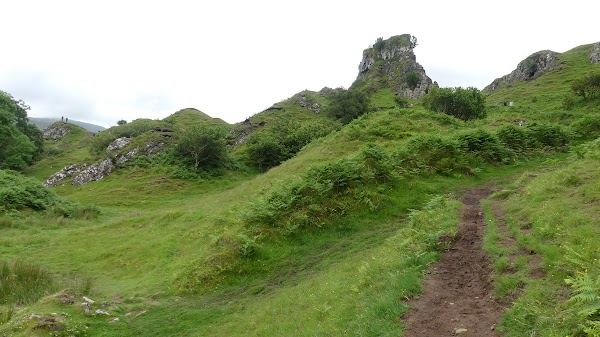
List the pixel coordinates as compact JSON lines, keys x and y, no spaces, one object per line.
{"x":43,"y":123}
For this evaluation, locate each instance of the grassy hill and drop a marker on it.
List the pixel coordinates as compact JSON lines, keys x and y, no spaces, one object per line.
{"x":331,"y":242}
{"x":43,"y":123}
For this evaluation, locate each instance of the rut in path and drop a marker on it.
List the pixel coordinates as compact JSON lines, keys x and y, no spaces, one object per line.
{"x":456,"y":298}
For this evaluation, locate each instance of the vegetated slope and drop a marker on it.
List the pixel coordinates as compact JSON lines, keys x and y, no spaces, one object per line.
{"x":550,"y":81}
{"x":328,"y":243}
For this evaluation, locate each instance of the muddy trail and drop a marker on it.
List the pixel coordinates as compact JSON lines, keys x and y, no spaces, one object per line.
{"x":457,"y":295}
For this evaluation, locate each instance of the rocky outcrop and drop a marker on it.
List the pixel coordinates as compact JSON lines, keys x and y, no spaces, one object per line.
{"x":307,"y":103}
{"x":85,"y":173}
{"x":393,"y":63}
{"x":530,"y":68}
{"x":56,"y":131}
{"x":595,"y":55}
{"x":118,"y":144}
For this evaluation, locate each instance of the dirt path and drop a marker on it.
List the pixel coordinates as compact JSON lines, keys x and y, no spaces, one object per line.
{"x":456,"y":297}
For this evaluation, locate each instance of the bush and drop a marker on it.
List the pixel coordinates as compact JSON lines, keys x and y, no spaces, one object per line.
{"x":433,"y":154}
{"x":485,"y":145}
{"x":587,"y":86}
{"x":412,"y":80}
{"x":547,"y":135}
{"x":587,"y":127}
{"x":514,"y":138}
{"x":18,"y":192}
{"x":347,"y":105}
{"x":465,"y":104}
{"x":270,"y":147}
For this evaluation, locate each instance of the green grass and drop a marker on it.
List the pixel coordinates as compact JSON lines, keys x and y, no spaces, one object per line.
{"x":348,"y":271}
{"x":558,"y":211}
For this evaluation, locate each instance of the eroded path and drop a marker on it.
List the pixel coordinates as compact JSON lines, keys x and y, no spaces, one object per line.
{"x":456,"y":298}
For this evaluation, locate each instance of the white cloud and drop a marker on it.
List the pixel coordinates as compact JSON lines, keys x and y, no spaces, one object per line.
{"x":110,"y":60}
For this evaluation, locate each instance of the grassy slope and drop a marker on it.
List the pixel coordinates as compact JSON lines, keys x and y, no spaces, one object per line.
{"x":345,"y":279}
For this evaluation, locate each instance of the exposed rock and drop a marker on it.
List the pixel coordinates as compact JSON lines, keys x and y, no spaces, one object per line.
{"x":56,"y":131}
{"x":530,"y":68}
{"x":392,"y":62}
{"x":460,"y":331}
{"x":64,"y":173}
{"x":86,"y":307}
{"x":595,"y":55}
{"x":101,"y":312}
{"x":94,"y":172}
{"x":153,"y":147}
{"x":118,"y":144}
{"x":85,"y":173}
{"x":89,"y":300}
{"x":308,"y":104}
{"x":123,"y":158}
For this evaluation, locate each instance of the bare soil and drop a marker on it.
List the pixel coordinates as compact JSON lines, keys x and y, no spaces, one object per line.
{"x":457,"y":296}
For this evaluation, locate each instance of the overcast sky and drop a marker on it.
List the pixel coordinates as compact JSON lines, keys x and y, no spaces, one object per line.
{"x":103,"y":61}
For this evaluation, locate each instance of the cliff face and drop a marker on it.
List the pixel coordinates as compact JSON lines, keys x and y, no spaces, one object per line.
{"x":392,"y":63}
{"x":530,"y":68}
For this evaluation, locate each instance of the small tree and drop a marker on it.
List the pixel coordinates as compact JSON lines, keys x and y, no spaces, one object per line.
{"x":121,"y":122}
{"x":203,"y":145}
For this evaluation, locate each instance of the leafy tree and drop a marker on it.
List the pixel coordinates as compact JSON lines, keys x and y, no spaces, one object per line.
{"x":121,"y":122}
{"x":347,"y":105}
{"x":461,"y":103}
{"x":22,"y":142}
{"x":203,"y":144}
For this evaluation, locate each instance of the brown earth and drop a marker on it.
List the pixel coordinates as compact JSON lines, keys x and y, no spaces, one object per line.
{"x":457,"y":296}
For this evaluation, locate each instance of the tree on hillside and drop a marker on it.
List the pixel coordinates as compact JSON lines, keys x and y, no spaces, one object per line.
{"x":203,"y":145}
{"x":347,"y":105}
{"x":461,"y":103}
{"x":121,"y":122}
{"x":22,"y":142}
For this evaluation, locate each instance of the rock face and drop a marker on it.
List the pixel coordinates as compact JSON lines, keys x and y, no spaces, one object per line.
{"x":393,"y":63}
{"x":56,"y":131}
{"x":530,"y":68}
{"x":595,"y":55}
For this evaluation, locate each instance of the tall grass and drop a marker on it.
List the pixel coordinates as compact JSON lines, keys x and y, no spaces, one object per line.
{"x":23,"y":282}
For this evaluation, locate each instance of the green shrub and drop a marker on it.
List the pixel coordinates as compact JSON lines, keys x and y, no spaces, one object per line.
{"x":514,"y":138}
{"x":18,"y":192}
{"x":270,"y":147}
{"x":485,"y":145}
{"x":587,"y":127}
{"x":547,"y":135}
{"x":587,"y":86}
{"x":412,"y":80}
{"x":465,"y":104}
{"x":433,"y":154}
{"x":347,"y":105}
